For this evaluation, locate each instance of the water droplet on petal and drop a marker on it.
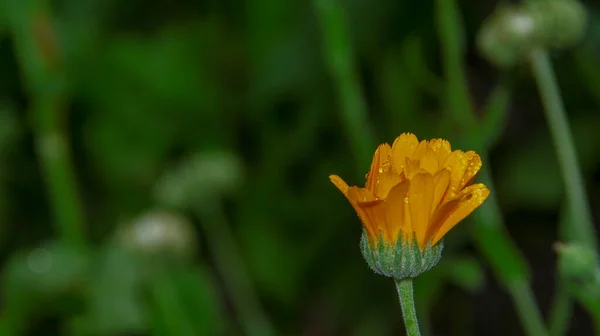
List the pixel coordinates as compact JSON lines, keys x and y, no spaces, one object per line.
{"x":406,"y":200}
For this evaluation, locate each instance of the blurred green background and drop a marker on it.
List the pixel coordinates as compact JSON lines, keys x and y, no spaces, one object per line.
{"x":200,"y":136}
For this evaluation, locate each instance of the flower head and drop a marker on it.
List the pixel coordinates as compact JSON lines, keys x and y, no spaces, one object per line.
{"x":415,"y":191}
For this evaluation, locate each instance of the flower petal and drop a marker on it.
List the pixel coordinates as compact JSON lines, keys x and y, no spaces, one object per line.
{"x":379,"y":158}
{"x":353,"y":199}
{"x":411,"y":168}
{"x":386,"y":181}
{"x":441,"y":148}
{"x":375,"y":213}
{"x":421,"y":150}
{"x":473,"y":167}
{"x":396,"y":211}
{"x":339,"y":183}
{"x":463,"y":166}
{"x":360,"y":195}
{"x":442,"y":182}
{"x":439,"y":217}
{"x":468,"y":200}
{"x":420,"y":201}
{"x":373,"y":209}
{"x":403,"y":147}
{"x":429,"y":163}
{"x":361,"y":199}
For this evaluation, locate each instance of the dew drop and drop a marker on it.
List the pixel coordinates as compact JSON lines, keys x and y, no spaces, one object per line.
{"x":406,"y":200}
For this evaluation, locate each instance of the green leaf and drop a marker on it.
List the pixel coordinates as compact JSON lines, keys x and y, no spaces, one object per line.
{"x":184,"y":303}
{"x":34,"y":278}
{"x":112,"y":295}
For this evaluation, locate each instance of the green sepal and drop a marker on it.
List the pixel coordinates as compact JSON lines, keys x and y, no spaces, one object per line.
{"x":580,"y":266}
{"x":401,"y":260}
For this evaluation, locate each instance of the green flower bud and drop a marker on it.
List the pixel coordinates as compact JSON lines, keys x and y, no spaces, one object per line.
{"x":580,"y":268}
{"x":403,"y":260}
{"x":200,"y":180}
{"x":512,"y":32}
{"x":579,"y":264}
{"x":159,"y":232}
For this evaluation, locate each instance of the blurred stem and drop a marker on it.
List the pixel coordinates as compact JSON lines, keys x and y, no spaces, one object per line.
{"x":561,"y":306}
{"x":39,"y":59}
{"x":578,"y":226}
{"x":340,"y":60}
{"x":526,"y":307}
{"x":56,"y":164}
{"x":230,"y":265}
{"x":494,"y":115}
{"x":449,"y":25}
{"x":490,"y":237}
{"x":167,"y":302}
{"x":407,"y":302}
{"x":582,"y":228}
{"x":418,"y":70}
{"x":560,"y":311}
{"x":589,"y":299}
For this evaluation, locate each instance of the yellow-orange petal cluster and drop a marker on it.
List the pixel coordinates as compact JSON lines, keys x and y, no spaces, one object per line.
{"x":416,"y":189}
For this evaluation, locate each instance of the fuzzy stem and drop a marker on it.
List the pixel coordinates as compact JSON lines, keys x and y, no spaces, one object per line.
{"x":407,"y":302}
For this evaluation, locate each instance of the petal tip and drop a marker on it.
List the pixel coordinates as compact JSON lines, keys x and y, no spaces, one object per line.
{"x":339,"y":183}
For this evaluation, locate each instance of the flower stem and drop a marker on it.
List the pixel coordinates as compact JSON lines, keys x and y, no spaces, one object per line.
{"x":38,"y":53}
{"x":582,"y":229}
{"x":561,"y":307}
{"x":526,"y":306}
{"x":578,"y":226}
{"x":229,"y":263}
{"x":407,"y":302}
{"x":560,"y":312}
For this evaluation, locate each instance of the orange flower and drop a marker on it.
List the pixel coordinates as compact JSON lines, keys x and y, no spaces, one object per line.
{"x":415,"y":189}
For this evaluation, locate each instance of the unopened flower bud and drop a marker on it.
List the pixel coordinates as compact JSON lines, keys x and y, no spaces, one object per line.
{"x":512,"y":32}
{"x":158,"y":232}
{"x":199,"y":181}
{"x":578,"y":263}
